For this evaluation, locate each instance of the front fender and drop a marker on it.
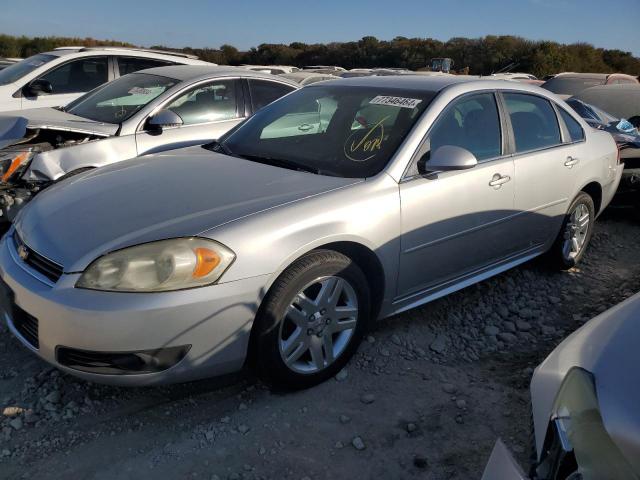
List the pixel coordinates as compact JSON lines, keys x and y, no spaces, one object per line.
{"x":367,"y":213}
{"x":54,"y":164}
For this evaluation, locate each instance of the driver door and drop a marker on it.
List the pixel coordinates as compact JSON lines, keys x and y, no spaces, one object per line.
{"x":457,"y":223}
{"x":69,"y":81}
{"x":207,"y":111}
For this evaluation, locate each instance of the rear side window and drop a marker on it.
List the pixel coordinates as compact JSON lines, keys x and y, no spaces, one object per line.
{"x":132,"y":64}
{"x":263,"y":92}
{"x":575,"y":130}
{"x":533,"y":120}
{"x":472,"y":123}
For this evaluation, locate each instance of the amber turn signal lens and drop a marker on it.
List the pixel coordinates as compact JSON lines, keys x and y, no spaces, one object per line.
{"x":14,"y":166}
{"x":206,"y":261}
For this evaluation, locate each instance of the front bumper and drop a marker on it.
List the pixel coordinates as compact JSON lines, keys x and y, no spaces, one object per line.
{"x":214,"y":321}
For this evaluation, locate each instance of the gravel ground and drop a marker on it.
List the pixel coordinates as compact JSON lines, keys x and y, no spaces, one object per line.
{"x":426,"y":396}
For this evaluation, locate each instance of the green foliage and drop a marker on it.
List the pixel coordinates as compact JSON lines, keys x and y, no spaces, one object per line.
{"x":480,"y":55}
{"x":23,"y":47}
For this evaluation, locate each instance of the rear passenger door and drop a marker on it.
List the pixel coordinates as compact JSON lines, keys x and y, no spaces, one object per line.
{"x":545,"y":159}
{"x":208,"y":111}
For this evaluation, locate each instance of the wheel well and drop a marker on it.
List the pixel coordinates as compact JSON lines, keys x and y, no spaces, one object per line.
{"x":365,"y":259}
{"x":594,"y":190}
{"x":370,"y":265}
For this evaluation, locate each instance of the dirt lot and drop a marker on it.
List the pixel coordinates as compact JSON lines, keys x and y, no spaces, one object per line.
{"x":426,"y":396}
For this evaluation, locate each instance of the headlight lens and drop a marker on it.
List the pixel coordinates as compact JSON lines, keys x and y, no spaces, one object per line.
{"x":13,"y":163}
{"x":162,"y":266}
{"x":578,"y":418}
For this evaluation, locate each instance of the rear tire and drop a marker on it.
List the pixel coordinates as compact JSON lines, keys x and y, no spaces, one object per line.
{"x":312,"y":320}
{"x":575,"y":234}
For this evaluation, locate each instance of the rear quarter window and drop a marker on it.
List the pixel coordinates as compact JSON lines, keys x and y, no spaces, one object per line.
{"x":575,"y":129}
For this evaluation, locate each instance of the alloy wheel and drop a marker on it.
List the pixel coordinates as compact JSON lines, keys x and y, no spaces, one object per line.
{"x":318,"y":324}
{"x":576,"y":231}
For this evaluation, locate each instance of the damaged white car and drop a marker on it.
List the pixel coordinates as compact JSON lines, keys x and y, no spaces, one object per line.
{"x":144,"y":112}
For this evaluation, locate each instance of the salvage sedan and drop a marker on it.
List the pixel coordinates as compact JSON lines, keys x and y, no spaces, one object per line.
{"x":340,"y":203}
{"x":585,"y":398}
{"x":145,"y":112}
{"x":625,"y":134}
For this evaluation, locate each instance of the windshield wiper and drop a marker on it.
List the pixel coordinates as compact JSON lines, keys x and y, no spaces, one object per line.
{"x":279,"y":162}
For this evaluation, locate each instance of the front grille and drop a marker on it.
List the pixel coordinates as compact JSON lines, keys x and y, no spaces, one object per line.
{"x":40,"y":264}
{"x":26,"y":325}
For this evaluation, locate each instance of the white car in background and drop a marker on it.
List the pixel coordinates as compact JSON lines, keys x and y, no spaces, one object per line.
{"x":273,"y":69}
{"x":60,"y":76}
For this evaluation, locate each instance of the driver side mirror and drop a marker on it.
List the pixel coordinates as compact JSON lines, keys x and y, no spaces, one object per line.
{"x":445,"y":159}
{"x":163,"y":119}
{"x":38,"y":87}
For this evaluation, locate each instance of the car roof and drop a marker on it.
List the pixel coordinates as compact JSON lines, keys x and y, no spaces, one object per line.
{"x":302,"y":74}
{"x":406,"y":82}
{"x":180,"y":57}
{"x":599,"y":76}
{"x":434,"y":84}
{"x":202,"y":72}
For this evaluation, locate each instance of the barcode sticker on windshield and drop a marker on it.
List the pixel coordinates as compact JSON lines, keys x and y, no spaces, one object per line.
{"x":395,"y":101}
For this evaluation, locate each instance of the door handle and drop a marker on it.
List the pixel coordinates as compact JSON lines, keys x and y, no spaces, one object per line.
{"x":571,"y":161}
{"x":305,"y":127}
{"x":498,"y":180}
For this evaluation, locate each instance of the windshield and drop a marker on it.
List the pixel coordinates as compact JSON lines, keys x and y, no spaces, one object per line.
{"x":119,"y":100}
{"x":15,"y":72}
{"x":589,"y":112}
{"x":570,"y":85}
{"x":329,"y":129}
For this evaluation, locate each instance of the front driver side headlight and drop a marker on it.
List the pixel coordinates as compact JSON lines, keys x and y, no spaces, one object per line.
{"x":580,"y":427}
{"x":13,"y":163}
{"x":161,"y":266}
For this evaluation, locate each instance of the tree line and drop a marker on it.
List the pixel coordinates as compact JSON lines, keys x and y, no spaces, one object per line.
{"x":479,"y":56}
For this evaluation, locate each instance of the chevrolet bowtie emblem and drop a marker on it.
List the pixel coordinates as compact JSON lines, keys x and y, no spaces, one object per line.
{"x":23,"y":253}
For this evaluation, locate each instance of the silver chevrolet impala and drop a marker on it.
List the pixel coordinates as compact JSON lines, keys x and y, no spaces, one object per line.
{"x":276,"y":246}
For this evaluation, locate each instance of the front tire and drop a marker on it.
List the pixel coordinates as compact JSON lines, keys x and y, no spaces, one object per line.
{"x":312,"y":320}
{"x":575,"y":234}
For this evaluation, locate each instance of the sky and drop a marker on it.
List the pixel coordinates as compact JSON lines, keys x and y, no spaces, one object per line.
{"x":247,"y":23}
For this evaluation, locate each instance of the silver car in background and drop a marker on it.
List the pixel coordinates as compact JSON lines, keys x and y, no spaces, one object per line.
{"x":340,"y":203}
{"x":585,"y":398}
{"x":144,"y":112}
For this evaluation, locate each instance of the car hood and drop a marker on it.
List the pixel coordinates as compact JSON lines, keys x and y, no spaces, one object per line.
{"x":52,"y":119}
{"x":606,"y":346}
{"x":179,"y":193}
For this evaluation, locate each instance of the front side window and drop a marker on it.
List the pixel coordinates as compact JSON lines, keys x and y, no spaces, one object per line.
{"x":128,"y":65}
{"x":209,"y":103}
{"x":471,"y":122}
{"x":263,"y":92}
{"x":15,"y":72}
{"x":575,"y":130}
{"x":533,"y":120}
{"x":120,"y":99}
{"x":334,"y":130}
{"x":78,"y":76}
